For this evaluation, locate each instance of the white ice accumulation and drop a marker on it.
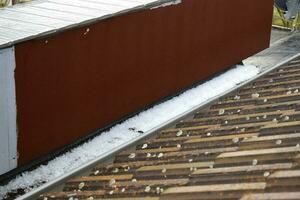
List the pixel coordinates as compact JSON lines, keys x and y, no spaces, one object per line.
{"x":121,"y":134}
{"x":175,"y":2}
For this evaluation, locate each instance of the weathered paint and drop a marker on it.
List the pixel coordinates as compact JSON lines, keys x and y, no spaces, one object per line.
{"x":8,"y":135}
{"x":40,"y":18}
{"x":75,"y":82}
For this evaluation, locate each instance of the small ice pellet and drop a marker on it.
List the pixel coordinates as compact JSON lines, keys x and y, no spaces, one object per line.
{"x":157,"y":190}
{"x":274,"y":120}
{"x":96,"y":172}
{"x":206,"y":153}
{"x":221,"y":111}
{"x":81,"y":185}
{"x":254,"y":162}
{"x":164,"y":170}
{"x":132,"y":155}
{"x":190,"y":160}
{"x":125,"y":166}
{"x":238,"y":111}
{"x":160,"y":155}
{"x":144,"y":146}
{"x":111,"y":192}
{"x":289,"y":92}
{"x":90,"y":198}
{"x":178,"y":145}
{"x":179,"y":133}
{"x":278,"y":142}
{"x":265,"y":100}
{"x":235,"y":140}
{"x":112,"y":182}
{"x":243,"y":130}
{"x":115,"y":170}
{"x":266,"y":174}
{"x":257,"y":117}
{"x":265,"y":116}
{"x":226,"y":122}
{"x":134,"y":180}
{"x":45,"y":198}
{"x":286,"y":118}
{"x":123,"y":190}
{"x":255,"y":95}
{"x":297,"y":145}
{"x":148,"y":155}
{"x":237,"y":97}
{"x":208,"y":134}
{"x":296,"y":91}
{"x":148,"y":189}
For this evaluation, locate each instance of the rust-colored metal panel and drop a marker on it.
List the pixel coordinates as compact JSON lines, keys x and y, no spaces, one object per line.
{"x":72,"y":83}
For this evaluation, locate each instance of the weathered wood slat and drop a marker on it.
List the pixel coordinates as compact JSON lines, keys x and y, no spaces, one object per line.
{"x":259,"y":152}
{"x":283,"y":124}
{"x":79,"y":194}
{"x":267,"y":99}
{"x":250,"y":168}
{"x":255,"y":160}
{"x":221,"y":138}
{"x":177,"y":166}
{"x":286,"y":174}
{"x":273,"y":196}
{"x":161,"y":150}
{"x":132,"y":198}
{"x":102,"y":178}
{"x":214,"y":188}
{"x":272,"y":137}
{"x":208,"y":127}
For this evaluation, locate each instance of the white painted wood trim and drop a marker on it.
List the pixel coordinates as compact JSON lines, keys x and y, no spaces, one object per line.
{"x":40,"y":18}
{"x":8,"y":125}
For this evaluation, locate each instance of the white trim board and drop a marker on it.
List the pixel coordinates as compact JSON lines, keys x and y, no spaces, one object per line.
{"x":8,"y":126}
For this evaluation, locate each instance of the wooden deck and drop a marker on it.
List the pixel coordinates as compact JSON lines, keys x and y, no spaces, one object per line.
{"x":246,"y":146}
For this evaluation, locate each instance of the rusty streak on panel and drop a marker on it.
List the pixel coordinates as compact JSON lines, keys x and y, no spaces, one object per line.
{"x":73,"y":83}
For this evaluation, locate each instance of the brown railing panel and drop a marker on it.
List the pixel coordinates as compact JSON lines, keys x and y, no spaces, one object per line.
{"x":75,"y":82}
